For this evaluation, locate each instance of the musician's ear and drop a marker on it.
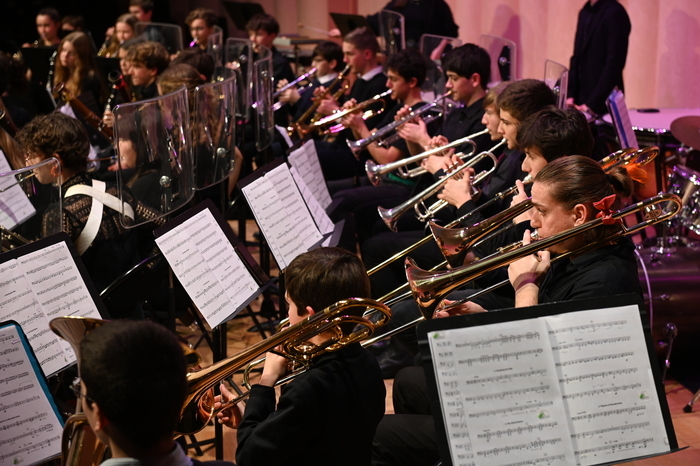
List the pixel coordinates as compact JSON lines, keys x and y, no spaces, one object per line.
{"x":413,"y":82}
{"x":475,"y":79}
{"x":55,"y":170}
{"x":580,"y":214}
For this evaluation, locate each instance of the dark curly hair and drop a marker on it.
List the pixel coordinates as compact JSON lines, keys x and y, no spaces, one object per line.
{"x":60,"y":134}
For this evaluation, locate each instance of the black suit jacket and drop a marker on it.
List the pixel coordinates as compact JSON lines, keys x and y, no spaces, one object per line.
{"x":600,"y":52}
{"x":328,"y":415}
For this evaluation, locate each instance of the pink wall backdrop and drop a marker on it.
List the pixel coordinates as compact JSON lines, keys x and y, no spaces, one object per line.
{"x":663,"y":62}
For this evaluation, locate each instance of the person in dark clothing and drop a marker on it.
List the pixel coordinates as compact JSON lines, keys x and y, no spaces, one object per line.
{"x":567,"y":192}
{"x":147,"y":60}
{"x":108,"y":240}
{"x":600,"y":52}
{"x":345,"y":384}
{"x":112,"y":356}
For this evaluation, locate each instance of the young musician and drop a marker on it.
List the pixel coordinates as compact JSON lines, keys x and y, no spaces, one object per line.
{"x":201,"y":22}
{"x":48,"y":23}
{"x":122,"y":31}
{"x":262,"y":30}
{"x":146,"y":60}
{"x":133,"y":383}
{"x":76,"y":70}
{"x":109,"y":241}
{"x":330,"y":412}
{"x":72,"y":23}
{"x":142,"y":9}
{"x":566,"y":193}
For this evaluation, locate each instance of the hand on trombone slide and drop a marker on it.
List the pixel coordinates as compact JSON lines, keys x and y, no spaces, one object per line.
{"x":526,"y":274}
{"x":466,"y":307}
{"x":232,"y":416}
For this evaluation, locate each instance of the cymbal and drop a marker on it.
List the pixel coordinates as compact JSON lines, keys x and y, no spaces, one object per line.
{"x":687,"y":130}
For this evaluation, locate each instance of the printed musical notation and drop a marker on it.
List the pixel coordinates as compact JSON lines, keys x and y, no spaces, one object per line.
{"x":556,"y":390}
{"x":30,"y":424}
{"x":37,"y":287}
{"x":281,"y":213}
{"x":15,"y":206}
{"x":323,"y":221}
{"x":305,"y":162}
{"x":207,"y":265}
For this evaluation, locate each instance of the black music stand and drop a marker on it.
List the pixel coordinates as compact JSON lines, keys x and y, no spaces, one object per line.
{"x":241,"y":12}
{"x":348,"y":23}
{"x":37,"y":60}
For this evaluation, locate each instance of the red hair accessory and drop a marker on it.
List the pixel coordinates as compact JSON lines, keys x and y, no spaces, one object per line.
{"x":605,"y":213}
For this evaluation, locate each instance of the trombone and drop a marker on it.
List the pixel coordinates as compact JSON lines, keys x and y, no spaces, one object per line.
{"x":374,"y":171}
{"x":391,"y":216}
{"x":361,"y":106}
{"x":299,"y":125}
{"x":429,"y":289}
{"x":380,"y":134}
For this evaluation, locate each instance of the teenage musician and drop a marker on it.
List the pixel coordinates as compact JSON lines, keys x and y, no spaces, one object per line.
{"x":201,"y":22}
{"x":566,"y":193}
{"x":122,"y":31}
{"x":48,"y":23}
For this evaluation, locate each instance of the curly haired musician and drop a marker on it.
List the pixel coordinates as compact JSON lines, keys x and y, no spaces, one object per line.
{"x":133,"y":383}
{"x":331,"y":411}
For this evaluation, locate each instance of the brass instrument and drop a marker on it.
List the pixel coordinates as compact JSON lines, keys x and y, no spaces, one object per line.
{"x":374,"y":171}
{"x":301,"y":78}
{"x":380,"y":135}
{"x":7,"y":123}
{"x":104,"y":48}
{"x":391,"y":216}
{"x":199,"y":403}
{"x":11,"y":240}
{"x":342,"y":113}
{"x":80,"y":108}
{"x":429,"y":289}
{"x":302,"y":128}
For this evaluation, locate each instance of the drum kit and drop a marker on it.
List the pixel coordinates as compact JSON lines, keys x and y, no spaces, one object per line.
{"x":670,"y":270}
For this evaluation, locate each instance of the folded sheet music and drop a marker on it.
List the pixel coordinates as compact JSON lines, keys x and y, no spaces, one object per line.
{"x":281,"y":214}
{"x":15,"y":206}
{"x":31,"y":425}
{"x":575,"y":388}
{"x":305,"y":161}
{"x":207,"y":265}
{"x":323,"y":221}
{"x":39,"y":286}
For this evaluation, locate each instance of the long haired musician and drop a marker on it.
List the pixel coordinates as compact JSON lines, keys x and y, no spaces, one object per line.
{"x":48,"y":24}
{"x":123,"y":30}
{"x":76,"y":70}
{"x":328,"y":414}
{"x":132,"y":388}
{"x":567,"y":192}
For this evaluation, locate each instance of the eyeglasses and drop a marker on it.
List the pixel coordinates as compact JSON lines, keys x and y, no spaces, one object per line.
{"x":29,"y":156}
{"x":197,"y":28}
{"x":76,"y":388}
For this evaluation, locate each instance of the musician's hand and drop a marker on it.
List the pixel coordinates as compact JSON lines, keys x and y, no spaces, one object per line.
{"x":108,"y":118}
{"x":435,"y":163}
{"x":290,"y":96}
{"x":109,"y":32}
{"x":353,"y":121}
{"x":232,"y":416}
{"x":327,"y":107}
{"x":440,"y":141}
{"x":583,"y":108}
{"x":402,"y":113}
{"x":464,"y":308}
{"x":517,"y":199}
{"x":415,"y":132}
{"x":527,"y":274}
{"x":349,"y":104}
{"x":320,"y":90}
{"x":570,"y":102}
{"x":457,"y":191}
{"x":275,"y":368}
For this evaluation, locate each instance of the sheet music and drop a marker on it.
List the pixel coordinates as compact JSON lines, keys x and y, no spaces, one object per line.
{"x":207,"y":265}
{"x":282,"y":215}
{"x":323,"y":221}
{"x":608,"y":385}
{"x":31,"y":427}
{"x":305,"y":161}
{"x":38,"y":287}
{"x":15,"y":206}
{"x":621,"y":117}
{"x":285,"y":135}
{"x":500,"y":395}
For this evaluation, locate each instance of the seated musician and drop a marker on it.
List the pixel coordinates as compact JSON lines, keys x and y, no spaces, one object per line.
{"x":201,"y":22}
{"x":406,"y":72}
{"x":142,"y":9}
{"x":566,"y":193}
{"x":100,"y":240}
{"x":48,"y":23}
{"x":147,"y":60}
{"x":122,"y":31}
{"x":133,"y":383}
{"x":76,"y":71}
{"x":328,"y":414}
{"x":360,"y":48}
{"x":72,"y":23}
{"x":327,"y":58}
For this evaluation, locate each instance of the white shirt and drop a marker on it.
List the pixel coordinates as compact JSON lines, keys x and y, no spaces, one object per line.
{"x":371,"y":73}
{"x":328,"y":77}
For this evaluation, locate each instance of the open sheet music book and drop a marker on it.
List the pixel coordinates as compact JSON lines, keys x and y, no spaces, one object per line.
{"x":31,"y":425}
{"x":41,"y":281}
{"x":305,"y":161}
{"x":280,"y":212}
{"x":15,"y":206}
{"x":621,"y":119}
{"x":215,"y":269}
{"x":554,"y":389}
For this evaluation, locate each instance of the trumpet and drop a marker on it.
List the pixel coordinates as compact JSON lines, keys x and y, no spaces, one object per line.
{"x":361,"y":106}
{"x":293,"y":83}
{"x":380,"y":134}
{"x":391,"y":216}
{"x":299,"y":125}
{"x":429,"y":289}
{"x":374,"y":171}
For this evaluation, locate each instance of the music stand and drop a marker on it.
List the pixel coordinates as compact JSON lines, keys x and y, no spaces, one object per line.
{"x":348,"y":23}
{"x":240,"y":12}
{"x":37,"y":60}
{"x":556,"y":76}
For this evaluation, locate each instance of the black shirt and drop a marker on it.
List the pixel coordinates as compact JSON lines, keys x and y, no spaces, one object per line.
{"x":464,"y":121}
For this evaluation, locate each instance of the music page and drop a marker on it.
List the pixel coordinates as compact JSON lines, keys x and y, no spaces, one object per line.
{"x":305,"y":161}
{"x":15,"y":206}
{"x":207,"y":265}
{"x":31,"y":427}
{"x":500,"y":395}
{"x":323,"y":221}
{"x":608,"y":386}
